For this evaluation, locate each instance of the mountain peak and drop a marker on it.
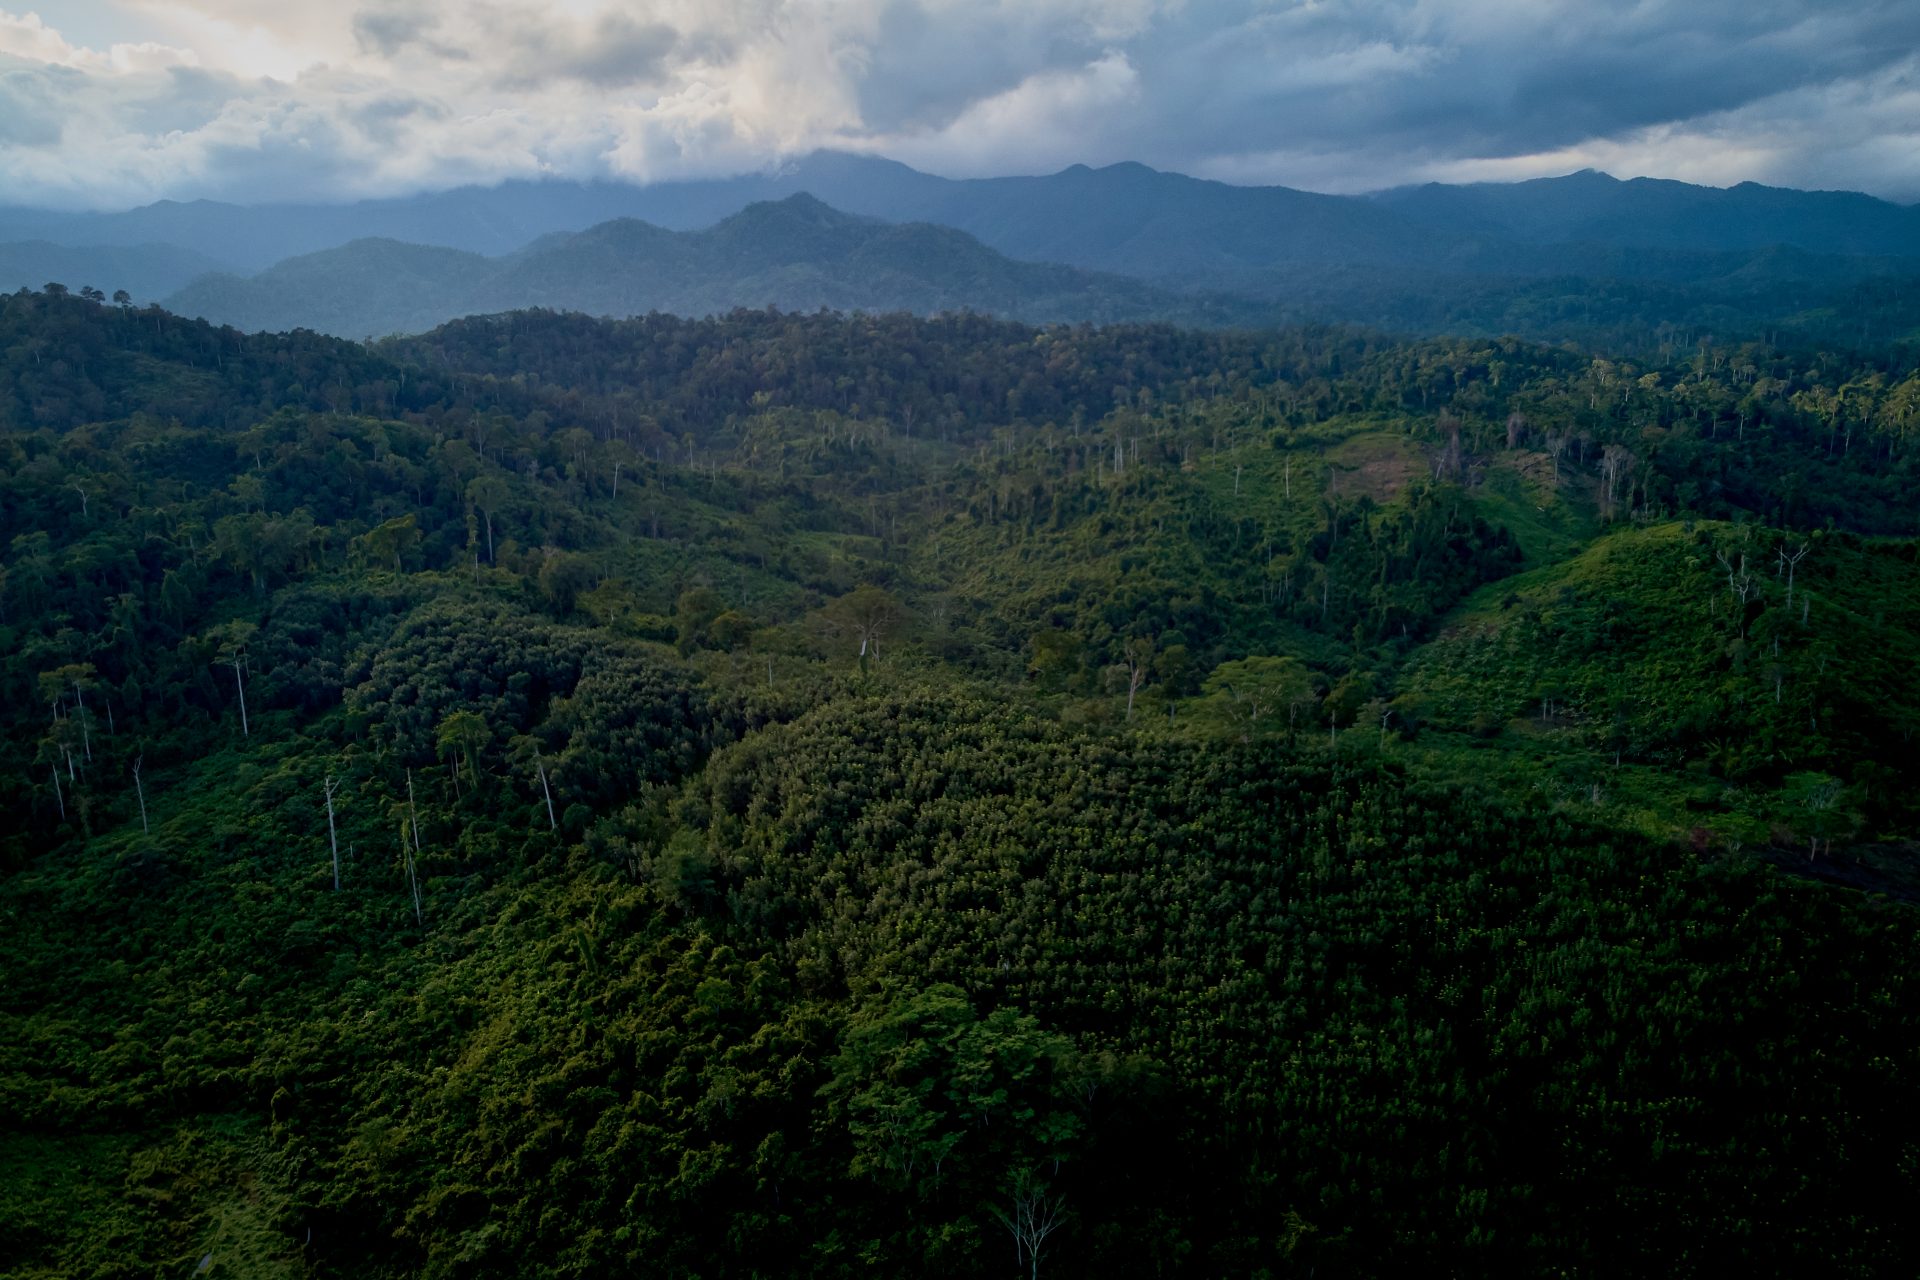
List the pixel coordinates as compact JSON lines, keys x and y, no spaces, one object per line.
{"x":1585,"y":177}
{"x":802,"y":208}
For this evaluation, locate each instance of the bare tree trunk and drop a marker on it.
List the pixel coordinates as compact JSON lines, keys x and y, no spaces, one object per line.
{"x":1792,"y":563}
{"x":141,"y":792}
{"x":413,"y":813}
{"x":58,"y":798}
{"x":241,"y":689}
{"x":333,"y":835}
{"x":552,"y":823}
{"x":413,"y":879}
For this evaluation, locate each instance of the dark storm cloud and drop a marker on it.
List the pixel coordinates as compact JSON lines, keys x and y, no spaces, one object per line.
{"x":927,"y":68}
{"x":30,"y":112}
{"x":1429,"y":83}
{"x":385,"y":121}
{"x":614,"y":52}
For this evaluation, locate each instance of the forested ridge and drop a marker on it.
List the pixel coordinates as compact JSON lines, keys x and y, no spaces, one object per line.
{"x":829,"y":795}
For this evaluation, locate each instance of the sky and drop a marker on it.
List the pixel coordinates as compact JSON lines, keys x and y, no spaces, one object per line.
{"x":113,"y":103}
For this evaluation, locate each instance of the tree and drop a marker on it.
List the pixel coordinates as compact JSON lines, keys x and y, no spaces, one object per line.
{"x":233,"y":640}
{"x":1031,"y":1214}
{"x":1344,"y":702}
{"x":524,"y":750}
{"x":140,"y":791}
{"x":389,"y":541}
{"x":1056,"y":655}
{"x":333,"y":835}
{"x":462,"y":735}
{"x":1790,"y":561}
{"x":693,"y":612}
{"x":1250,"y":694}
{"x":730,"y":630}
{"x":1616,"y":461}
{"x":866,"y":616}
{"x":923,"y":1082}
{"x":487,"y":493}
{"x":411,"y":850}
{"x":1137,"y":656}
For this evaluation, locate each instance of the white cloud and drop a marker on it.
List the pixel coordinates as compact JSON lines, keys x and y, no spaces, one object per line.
{"x":254,"y":99}
{"x":1047,"y":120}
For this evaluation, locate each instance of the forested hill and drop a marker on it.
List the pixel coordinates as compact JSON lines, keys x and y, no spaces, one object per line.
{"x":824,"y":795}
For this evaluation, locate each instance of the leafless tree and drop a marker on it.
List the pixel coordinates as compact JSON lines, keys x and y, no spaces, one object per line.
{"x":1138,"y":658}
{"x":411,"y":851}
{"x":1031,"y":1216}
{"x":233,"y":653}
{"x":540,"y":766}
{"x":1615,"y":463}
{"x":141,"y":792}
{"x":1790,"y":562}
{"x":332,"y":785}
{"x":1740,"y":582}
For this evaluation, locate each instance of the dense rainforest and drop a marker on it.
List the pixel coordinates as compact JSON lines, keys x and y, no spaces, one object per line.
{"x":861,"y":794}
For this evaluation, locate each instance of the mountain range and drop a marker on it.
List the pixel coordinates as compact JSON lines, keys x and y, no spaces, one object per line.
{"x":796,"y":254}
{"x":1549,"y":258}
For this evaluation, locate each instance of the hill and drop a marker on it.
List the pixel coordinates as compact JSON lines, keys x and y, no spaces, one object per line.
{"x":364,"y":288}
{"x":146,"y":271}
{"x":1654,"y":213}
{"x":797,"y":254}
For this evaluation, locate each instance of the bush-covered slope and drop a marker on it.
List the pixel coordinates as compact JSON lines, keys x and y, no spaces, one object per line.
{"x":1743,"y":660}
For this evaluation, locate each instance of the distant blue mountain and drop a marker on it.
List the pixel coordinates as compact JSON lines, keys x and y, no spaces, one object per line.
{"x":1553,"y":258}
{"x":147,"y":271}
{"x":1593,"y":208}
{"x":797,"y":254}
{"x":1124,"y":218}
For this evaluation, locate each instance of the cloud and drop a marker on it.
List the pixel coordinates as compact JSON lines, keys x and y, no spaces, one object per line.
{"x":388,"y":30}
{"x":615,"y":52}
{"x":253,"y":99}
{"x":1045,"y":117}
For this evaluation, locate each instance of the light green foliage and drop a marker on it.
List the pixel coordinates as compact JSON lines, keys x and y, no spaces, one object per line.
{"x":1255,"y":697}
